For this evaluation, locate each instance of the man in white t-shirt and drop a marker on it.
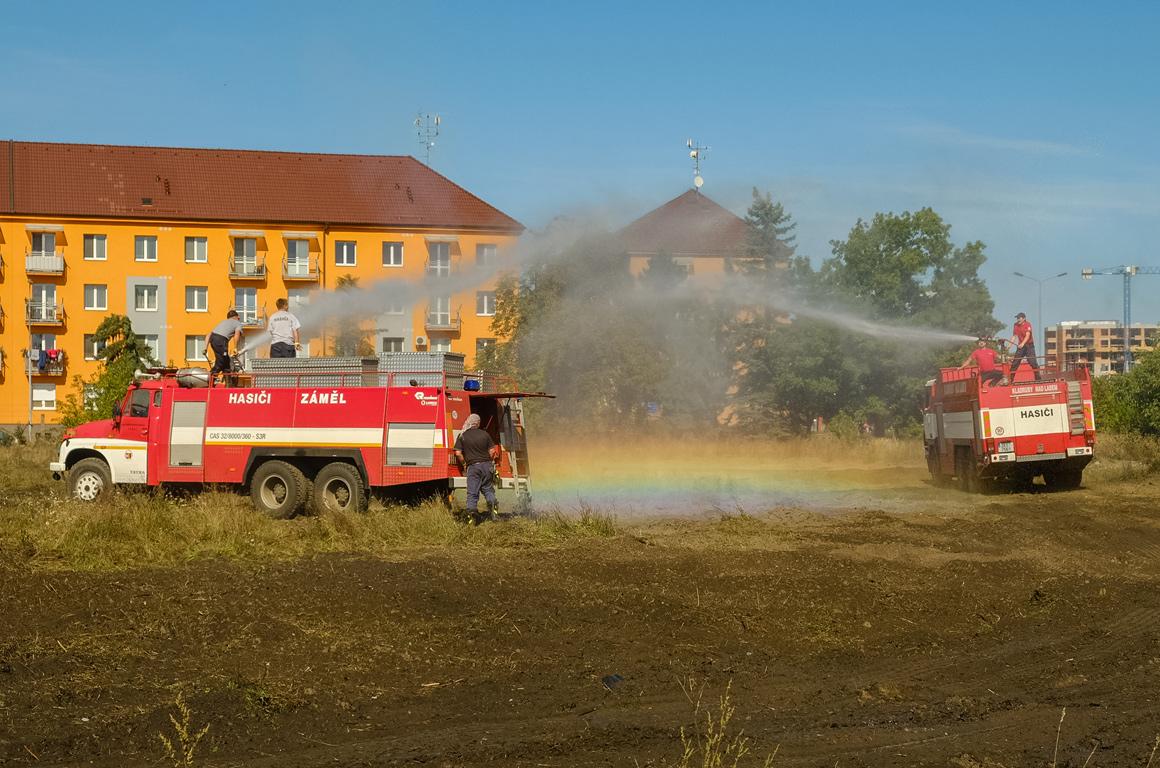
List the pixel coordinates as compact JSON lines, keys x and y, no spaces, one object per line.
{"x":283,"y":328}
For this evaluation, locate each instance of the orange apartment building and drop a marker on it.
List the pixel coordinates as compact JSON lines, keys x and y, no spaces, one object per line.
{"x":1100,"y":343}
{"x":173,"y":238}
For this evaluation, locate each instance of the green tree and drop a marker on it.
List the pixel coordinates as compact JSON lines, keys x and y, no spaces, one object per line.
{"x":123,"y":353}
{"x":905,"y":268}
{"x":351,"y":338}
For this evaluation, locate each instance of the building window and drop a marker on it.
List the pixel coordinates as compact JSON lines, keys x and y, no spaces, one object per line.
{"x":246,"y":303}
{"x":482,"y":345}
{"x":150,"y":340}
{"x":196,"y":298}
{"x":439,"y":259}
{"x":196,"y":250}
{"x":344,"y":253}
{"x":93,"y":347}
{"x":96,"y":297}
{"x":394,"y":307}
{"x":145,"y":298}
{"x":392,"y":254}
{"x":297,"y":258}
{"x":440,"y":311}
{"x":43,"y":397}
{"x":441,"y":345}
{"x":392,"y":345}
{"x":42,"y":341}
{"x":298,"y":297}
{"x":146,"y":248}
{"x":95,"y":248}
{"x":485,"y":303}
{"x":485,"y":254}
{"x":195,"y":348}
{"x":43,"y":243}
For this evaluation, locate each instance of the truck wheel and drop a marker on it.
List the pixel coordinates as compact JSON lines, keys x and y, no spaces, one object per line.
{"x":339,"y":488}
{"x":278,"y":489}
{"x":966,"y":472}
{"x":89,"y":479}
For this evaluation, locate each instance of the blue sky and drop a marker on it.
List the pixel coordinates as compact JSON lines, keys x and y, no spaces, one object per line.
{"x":1030,"y":126}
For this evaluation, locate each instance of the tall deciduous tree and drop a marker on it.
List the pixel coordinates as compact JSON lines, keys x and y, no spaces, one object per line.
{"x":123,"y":353}
{"x":351,"y":338}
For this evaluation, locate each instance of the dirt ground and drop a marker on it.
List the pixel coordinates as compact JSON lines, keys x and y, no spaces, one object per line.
{"x":957,"y":634}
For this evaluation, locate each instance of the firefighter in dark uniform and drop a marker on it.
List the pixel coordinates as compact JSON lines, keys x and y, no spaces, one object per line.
{"x":475,"y":449}
{"x":219,"y":341}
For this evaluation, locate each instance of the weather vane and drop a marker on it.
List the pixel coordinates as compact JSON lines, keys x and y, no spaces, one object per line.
{"x":695,"y":153}
{"x":428,"y":130}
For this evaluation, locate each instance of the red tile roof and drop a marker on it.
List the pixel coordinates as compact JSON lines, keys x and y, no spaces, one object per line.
{"x":690,"y":225}
{"x":233,"y":185}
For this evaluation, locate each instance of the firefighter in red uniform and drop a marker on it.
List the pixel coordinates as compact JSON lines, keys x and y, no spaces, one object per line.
{"x":986,"y":358}
{"x":1024,"y":346}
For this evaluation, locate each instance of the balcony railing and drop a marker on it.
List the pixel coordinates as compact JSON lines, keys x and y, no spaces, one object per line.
{"x":43,"y":312}
{"x":440,"y":268}
{"x":300,"y":270}
{"x":251,"y":317}
{"x":44,"y":262}
{"x":442,"y":321}
{"x":53,"y":366}
{"x":247,"y":269}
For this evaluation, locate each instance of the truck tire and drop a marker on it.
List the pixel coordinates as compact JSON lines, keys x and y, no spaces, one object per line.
{"x":89,"y":479}
{"x":338,"y":487}
{"x":966,"y":472}
{"x":278,"y":489}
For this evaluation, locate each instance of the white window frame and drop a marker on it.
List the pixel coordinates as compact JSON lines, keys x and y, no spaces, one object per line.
{"x":395,"y":307}
{"x":96,"y":297}
{"x":345,"y":253}
{"x":92,"y":348}
{"x":195,"y":349}
{"x":484,"y":301}
{"x":42,"y":403}
{"x":145,"y":248}
{"x":439,"y":259}
{"x":153,"y":341}
{"x":440,"y":344}
{"x":392,"y":253}
{"x":43,"y":243}
{"x":196,"y":292}
{"x":96,"y":248}
{"x":440,"y":307}
{"x":246,"y":304}
{"x":400,"y":344}
{"x":485,"y":254}
{"x":195,"y":254}
{"x":141,"y":297}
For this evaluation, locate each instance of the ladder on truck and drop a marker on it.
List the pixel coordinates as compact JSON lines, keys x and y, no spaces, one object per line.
{"x":1075,"y":412}
{"x":517,"y":449}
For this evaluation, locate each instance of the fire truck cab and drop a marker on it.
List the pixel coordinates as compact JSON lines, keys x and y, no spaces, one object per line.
{"x":1012,"y":431}
{"x":294,"y":442}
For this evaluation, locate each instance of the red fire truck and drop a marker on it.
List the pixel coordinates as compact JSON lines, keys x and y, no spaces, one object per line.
{"x":294,"y":444}
{"x":1010,"y":432}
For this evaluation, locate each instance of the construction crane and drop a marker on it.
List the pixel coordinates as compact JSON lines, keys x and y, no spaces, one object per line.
{"x":1128,"y":273}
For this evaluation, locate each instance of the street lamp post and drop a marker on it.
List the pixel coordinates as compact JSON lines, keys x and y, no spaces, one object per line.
{"x":1039,"y":317}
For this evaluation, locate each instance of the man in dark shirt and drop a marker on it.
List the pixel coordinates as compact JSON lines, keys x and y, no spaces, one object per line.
{"x":476,"y":448}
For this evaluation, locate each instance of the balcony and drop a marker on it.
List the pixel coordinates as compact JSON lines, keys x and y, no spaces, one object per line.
{"x":43,"y":312}
{"x":442,"y":321}
{"x":300,"y":270}
{"x":440,"y":268}
{"x":44,"y":263}
{"x":251,"y":317}
{"x":51,"y":367}
{"x":248,"y":269}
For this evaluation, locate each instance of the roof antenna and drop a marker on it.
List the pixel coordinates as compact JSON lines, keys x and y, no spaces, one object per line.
{"x":695,"y":153}
{"x":428,"y":129}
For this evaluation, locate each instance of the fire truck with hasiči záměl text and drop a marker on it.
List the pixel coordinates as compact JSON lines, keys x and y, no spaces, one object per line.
{"x":1010,"y":432}
{"x":300,"y":435}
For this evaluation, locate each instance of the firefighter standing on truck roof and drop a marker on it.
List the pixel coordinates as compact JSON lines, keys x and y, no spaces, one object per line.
{"x":219,"y":341}
{"x":283,"y":329}
{"x":475,"y":447}
{"x":1024,"y":346}
{"x":986,"y":358}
